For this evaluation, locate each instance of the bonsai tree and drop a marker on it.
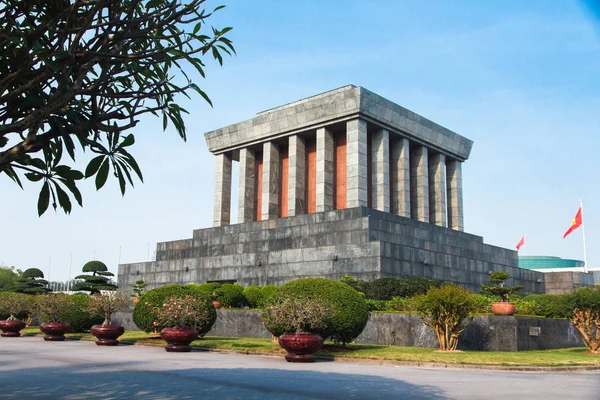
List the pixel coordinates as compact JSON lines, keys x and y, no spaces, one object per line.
{"x":14,"y":304}
{"x":184,"y":312}
{"x":297,"y":315}
{"x":51,"y":307}
{"x":31,"y":282}
{"x":447,"y":310}
{"x":138,"y":288}
{"x":586,"y":317}
{"x":498,"y":289}
{"x":97,"y":281}
{"x":106,"y":305}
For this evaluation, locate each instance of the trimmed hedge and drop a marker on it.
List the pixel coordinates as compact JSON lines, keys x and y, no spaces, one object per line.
{"x":75,"y":315}
{"x":388,"y":288}
{"x":144,"y":317}
{"x":268,"y":292}
{"x":254,"y":297}
{"x":350,"y":312}
{"x":231,"y":295}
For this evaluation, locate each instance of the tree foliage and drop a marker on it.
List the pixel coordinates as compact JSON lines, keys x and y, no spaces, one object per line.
{"x":447,"y":310}
{"x":586,"y":316}
{"x":97,"y":281}
{"x":31,"y":281}
{"x":7,"y":278}
{"x":498,"y":289}
{"x":81,"y":73}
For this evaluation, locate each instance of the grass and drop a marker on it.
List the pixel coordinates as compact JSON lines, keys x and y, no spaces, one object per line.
{"x":538,"y":358}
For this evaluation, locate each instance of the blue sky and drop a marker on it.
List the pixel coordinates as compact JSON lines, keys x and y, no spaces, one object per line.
{"x":518,"y":78}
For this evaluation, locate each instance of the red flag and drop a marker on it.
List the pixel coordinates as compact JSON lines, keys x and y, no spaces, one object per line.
{"x":577,"y":222}
{"x":521,"y":243}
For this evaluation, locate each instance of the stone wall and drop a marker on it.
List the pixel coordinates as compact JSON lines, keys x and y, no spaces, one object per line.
{"x":359,"y":242}
{"x":485,"y":333}
{"x":566,"y":282}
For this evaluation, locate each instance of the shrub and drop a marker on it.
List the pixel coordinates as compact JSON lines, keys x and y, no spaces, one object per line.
{"x":209,"y":289}
{"x":298,"y":315}
{"x":482,"y":303}
{"x":185,"y":312}
{"x":586,"y":316}
{"x":350,"y":312}
{"x":269,"y":292}
{"x":402,"y":304}
{"x":358,"y":285}
{"x":76,"y":315}
{"x":550,"y":305}
{"x":31,"y":282}
{"x":376,"y":305}
{"x":144,"y":313}
{"x":14,"y":305}
{"x":51,"y":307}
{"x":447,"y":310}
{"x":388,"y":288}
{"x":97,"y":281}
{"x":231,"y":295}
{"x":254,"y":297}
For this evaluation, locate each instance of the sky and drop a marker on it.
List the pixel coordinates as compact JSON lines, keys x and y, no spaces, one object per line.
{"x":518,"y":78}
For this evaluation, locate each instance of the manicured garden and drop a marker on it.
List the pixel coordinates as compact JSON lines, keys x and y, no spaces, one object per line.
{"x":301,"y":315}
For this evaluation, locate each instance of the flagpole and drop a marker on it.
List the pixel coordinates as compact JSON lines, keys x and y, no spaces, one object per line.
{"x":585,"y":264}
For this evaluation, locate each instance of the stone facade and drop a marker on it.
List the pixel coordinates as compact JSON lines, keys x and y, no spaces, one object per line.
{"x":359,"y":242}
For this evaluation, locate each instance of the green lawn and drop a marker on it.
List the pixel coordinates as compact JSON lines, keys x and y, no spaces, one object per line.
{"x":541,"y":358}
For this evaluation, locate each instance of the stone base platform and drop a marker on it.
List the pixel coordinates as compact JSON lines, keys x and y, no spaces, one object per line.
{"x":359,"y":242}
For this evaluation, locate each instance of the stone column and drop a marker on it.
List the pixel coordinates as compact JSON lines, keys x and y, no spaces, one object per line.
{"x":356,"y":160}
{"x":437,"y":189}
{"x":400,"y":166}
{"x":324,"y":192}
{"x":380,"y":167}
{"x":419,"y":183}
{"x":270,"y":181}
{"x":455,"y":195}
{"x":246,"y":193}
{"x":222,"y":190}
{"x":296,"y":177}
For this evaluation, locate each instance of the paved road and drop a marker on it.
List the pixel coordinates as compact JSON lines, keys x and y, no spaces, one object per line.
{"x":33,"y":369}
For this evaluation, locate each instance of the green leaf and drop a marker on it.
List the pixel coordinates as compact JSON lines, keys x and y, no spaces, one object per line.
{"x":74,"y":190}
{"x":63,"y":199}
{"x":44,"y":199}
{"x":128,"y":141}
{"x":102,"y":174}
{"x":133,"y":164}
{"x":93,"y":166}
{"x":120,"y":177}
{"x":34,"y":177}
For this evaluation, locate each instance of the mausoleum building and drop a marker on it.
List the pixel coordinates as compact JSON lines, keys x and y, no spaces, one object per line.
{"x":341,"y":183}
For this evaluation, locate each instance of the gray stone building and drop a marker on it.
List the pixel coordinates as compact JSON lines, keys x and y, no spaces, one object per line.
{"x":341,"y":183}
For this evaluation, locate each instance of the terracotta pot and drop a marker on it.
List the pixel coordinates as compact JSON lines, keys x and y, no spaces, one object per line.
{"x":502,"y":308}
{"x":301,"y":346}
{"x":178,"y":339}
{"x":217,"y":304}
{"x":107,"y":335}
{"x":55,"y":331}
{"x":11,"y":328}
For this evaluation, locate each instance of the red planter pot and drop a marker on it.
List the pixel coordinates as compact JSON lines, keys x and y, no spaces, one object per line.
{"x":178,"y":339}
{"x":11,"y":328}
{"x":502,"y":308}
{"x":107,"y":335}
{"x":300,"y":346}
{"x":55,"y":331}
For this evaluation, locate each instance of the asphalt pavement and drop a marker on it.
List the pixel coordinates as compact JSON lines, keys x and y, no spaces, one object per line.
{"x":33,"y":369}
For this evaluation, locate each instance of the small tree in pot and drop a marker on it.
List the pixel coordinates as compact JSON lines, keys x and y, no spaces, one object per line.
{"x":504,"y":306}
{"x":106,"y":305}
{"x":50,"y":307}
{"x":183,"y":317}
{"x":300,"y":319}
{"x":13,"y":304}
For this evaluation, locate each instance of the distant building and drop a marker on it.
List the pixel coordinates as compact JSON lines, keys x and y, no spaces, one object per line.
{"x":561,"y":275}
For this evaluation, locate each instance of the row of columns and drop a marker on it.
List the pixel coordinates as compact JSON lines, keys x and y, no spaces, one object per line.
{"x":425,"y":185}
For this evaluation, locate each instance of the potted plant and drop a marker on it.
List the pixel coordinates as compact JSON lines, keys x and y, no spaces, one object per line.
{"x":504,"y":306}
{"x":106,"y":305}
{"x":300,"y":319}
{"x":50,"y":307}
{"x":138,"y":289}
{"x":182,"y":317}
{"x":13,"y":304}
